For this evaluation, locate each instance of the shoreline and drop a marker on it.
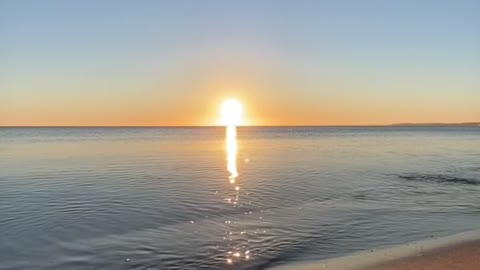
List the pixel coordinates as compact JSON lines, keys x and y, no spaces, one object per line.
{"x":459,"y":251}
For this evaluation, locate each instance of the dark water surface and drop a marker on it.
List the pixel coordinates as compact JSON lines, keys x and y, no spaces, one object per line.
{"x":160,"y":198}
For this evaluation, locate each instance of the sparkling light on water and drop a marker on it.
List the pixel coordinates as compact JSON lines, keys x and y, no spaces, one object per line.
{"x":236,"y":240}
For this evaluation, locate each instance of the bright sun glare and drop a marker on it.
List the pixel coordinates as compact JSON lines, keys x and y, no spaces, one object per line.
{"x":231,"y":113}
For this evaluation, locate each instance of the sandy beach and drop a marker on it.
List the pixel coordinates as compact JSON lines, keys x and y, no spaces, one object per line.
{"x":465,"y":256}
{"x":456,"y":252}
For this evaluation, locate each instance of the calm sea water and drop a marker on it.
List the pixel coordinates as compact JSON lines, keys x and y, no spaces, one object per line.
{"x":160,"y":198}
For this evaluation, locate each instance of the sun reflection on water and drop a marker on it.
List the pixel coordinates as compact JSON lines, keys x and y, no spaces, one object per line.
{"x":231,"y":147}
{"x":238,"y":231}
{"x":237,"y":241}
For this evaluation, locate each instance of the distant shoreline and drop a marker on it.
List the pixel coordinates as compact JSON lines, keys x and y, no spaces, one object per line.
{"x":466,"y":124}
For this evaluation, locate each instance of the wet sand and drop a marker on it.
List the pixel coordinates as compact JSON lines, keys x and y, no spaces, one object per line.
{"x":464,"y":256}
{"x":456,"y":252}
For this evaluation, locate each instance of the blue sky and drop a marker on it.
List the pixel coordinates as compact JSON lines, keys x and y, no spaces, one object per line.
{"x":305,"y":62}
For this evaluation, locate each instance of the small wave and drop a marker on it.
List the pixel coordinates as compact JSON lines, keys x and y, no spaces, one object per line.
{"x":476,"y":169}
{"x":439,"y":178}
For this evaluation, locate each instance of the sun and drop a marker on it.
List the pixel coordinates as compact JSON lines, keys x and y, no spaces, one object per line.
{"x":231,"y":113}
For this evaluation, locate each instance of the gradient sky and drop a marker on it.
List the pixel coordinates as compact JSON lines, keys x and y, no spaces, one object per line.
{"x":289,"y":62}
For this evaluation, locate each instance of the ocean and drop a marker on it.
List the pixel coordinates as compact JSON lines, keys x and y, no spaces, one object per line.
{"x":170,"y":198}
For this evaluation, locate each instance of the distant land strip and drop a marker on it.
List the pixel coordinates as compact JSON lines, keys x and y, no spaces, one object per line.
{"x":438,"y":124}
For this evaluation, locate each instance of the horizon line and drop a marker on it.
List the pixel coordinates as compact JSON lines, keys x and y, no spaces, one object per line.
{"x":241,"y":126}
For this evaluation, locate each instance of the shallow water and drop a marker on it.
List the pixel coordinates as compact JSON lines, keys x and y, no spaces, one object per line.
{"x":160,"y":198}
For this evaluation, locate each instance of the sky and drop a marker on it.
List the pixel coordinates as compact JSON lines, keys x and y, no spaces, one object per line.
{"x":171,"y":63}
